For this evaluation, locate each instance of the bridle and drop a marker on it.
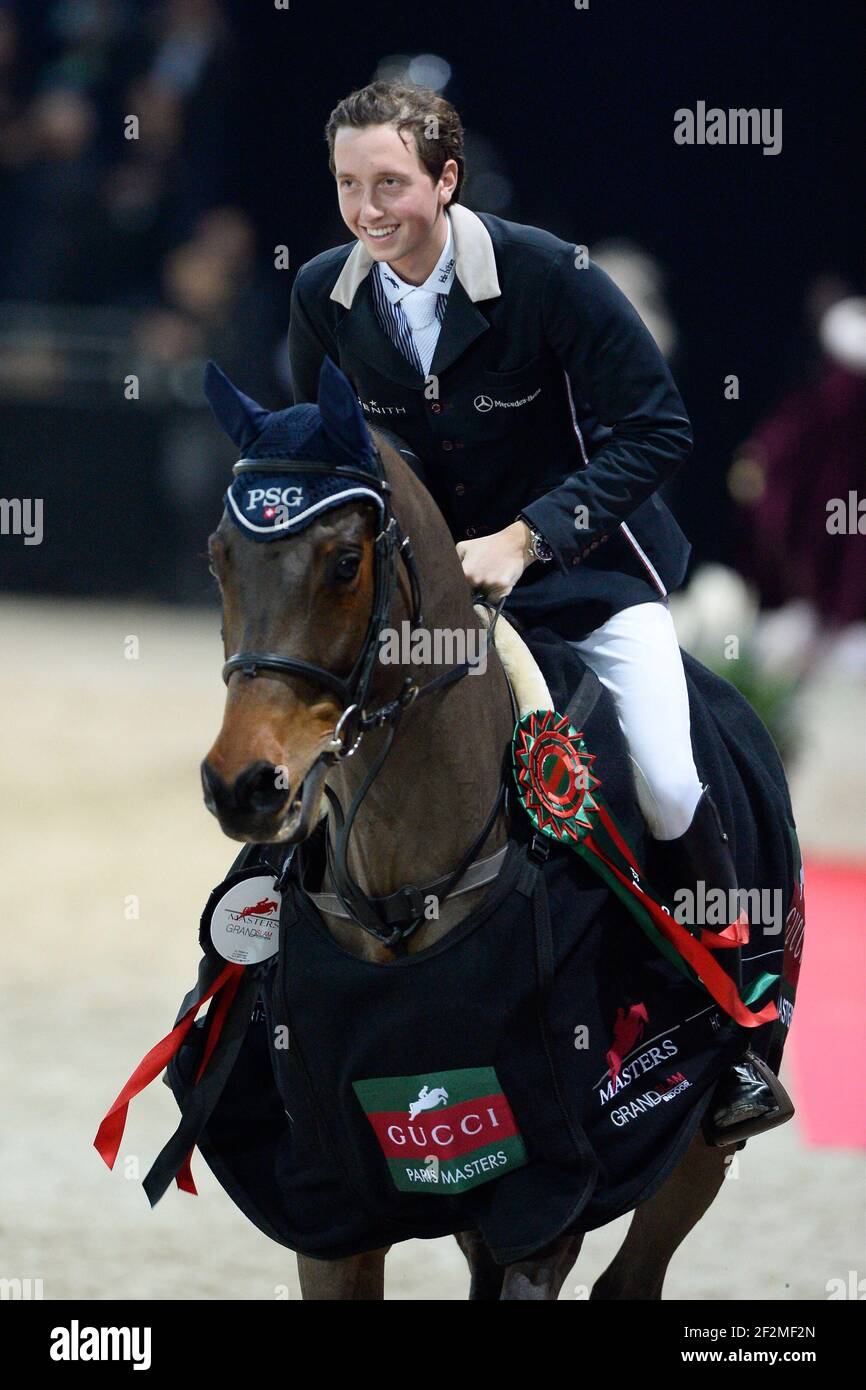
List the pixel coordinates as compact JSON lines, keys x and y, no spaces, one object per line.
{"x":353,"y":692}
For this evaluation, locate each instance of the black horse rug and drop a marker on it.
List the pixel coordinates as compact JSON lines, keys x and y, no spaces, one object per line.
{"x":542,"y":1068}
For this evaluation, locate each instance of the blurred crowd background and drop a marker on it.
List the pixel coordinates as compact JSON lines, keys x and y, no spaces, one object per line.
{"x":148,"y":255}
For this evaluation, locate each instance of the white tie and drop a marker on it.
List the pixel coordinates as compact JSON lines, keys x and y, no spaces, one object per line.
{"x":419,"y":306}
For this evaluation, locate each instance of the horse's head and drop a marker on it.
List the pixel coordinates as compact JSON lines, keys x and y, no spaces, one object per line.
{"x":296,"y":555}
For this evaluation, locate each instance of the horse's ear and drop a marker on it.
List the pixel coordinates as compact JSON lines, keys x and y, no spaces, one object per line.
{"x":342,"y":419}
{"x":241,"y":418}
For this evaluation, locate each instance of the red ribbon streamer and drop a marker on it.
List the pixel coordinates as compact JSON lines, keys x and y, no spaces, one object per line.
{"x":110,"y":1132}
{"x":736,"y":934}
{"x":183,"y":1177}
{"x":719,"y":985}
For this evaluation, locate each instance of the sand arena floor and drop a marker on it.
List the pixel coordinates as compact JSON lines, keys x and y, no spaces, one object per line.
{"x":101,"y":801}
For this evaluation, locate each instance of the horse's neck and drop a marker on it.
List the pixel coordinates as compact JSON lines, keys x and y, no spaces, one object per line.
{"x":435,"y":788}
{"x":442,"y":774}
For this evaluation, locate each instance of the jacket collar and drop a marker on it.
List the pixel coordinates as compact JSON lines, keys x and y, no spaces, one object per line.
{"x":474,"y":261}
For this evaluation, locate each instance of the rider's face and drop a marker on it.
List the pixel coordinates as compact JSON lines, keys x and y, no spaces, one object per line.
{"x":383,"y":187}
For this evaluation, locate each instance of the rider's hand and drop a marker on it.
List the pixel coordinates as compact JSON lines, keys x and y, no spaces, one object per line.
{"x":493,"y":564}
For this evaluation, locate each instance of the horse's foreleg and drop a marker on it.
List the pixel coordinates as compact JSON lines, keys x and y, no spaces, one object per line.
{"x":355,"y":1277}
{"x":660,"y":1225}
{"x":486,"y":1275}
{"x":543,"y":1275}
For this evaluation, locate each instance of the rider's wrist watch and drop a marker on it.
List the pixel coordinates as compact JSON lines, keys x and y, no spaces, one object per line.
{"x":538,"y":546}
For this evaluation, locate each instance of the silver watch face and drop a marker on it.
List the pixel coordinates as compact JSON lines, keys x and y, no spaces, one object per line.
{"x":540,"y":548}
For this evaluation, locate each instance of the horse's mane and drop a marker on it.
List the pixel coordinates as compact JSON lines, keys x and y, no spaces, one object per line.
{"x":422,"y":516}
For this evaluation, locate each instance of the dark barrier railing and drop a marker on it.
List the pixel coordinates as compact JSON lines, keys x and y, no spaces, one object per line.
{"x":117,"y":449}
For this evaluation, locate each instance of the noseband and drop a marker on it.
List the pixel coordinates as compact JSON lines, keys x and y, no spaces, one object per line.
{"x":353,"y":692}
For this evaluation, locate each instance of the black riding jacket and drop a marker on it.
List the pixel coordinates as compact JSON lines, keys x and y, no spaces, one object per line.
{"x":546,"y":396}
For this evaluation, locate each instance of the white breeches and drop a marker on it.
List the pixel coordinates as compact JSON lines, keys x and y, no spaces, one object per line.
{"x":635,"y":654}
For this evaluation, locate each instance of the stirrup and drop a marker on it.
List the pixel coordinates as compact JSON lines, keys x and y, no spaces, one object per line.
{"x":747,"y":1129}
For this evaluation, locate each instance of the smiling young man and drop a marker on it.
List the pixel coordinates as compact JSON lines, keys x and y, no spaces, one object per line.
{"x":545,"y":419}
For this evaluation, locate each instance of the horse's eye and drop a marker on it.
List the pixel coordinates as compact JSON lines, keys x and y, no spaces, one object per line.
{"x":347,"y":567}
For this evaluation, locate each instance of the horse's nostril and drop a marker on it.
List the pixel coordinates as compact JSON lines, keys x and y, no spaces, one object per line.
{"x":213,"y":786}
{"x":257,"y":789}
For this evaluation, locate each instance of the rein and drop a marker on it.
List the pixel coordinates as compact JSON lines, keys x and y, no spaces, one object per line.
{"x":393,"y":919}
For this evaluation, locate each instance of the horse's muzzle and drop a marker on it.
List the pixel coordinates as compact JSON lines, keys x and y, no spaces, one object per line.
{"x":259,"y":808}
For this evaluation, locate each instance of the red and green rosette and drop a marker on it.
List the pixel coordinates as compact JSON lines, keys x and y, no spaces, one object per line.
{"x":553,"y":769}
{"x":562,"y":796}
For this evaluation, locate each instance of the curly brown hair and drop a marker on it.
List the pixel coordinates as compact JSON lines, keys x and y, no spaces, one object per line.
{"x":431,"y":119}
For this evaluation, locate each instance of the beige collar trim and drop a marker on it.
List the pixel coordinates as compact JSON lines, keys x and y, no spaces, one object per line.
{"x":474,"y":261}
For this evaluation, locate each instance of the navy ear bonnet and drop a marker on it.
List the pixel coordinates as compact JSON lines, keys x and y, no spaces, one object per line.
{"x":271,"y":505}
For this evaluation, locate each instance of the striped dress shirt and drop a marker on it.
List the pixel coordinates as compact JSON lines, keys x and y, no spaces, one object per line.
{"x":416,"y":342}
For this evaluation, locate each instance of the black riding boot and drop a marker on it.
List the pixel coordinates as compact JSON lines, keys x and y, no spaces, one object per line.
{"x":744,"y":1102}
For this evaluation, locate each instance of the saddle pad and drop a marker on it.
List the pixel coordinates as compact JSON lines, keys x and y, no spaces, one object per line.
{"x":523,"y":672}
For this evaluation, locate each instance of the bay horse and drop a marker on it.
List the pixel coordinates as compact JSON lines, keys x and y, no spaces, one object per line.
{"x":298,"y":613}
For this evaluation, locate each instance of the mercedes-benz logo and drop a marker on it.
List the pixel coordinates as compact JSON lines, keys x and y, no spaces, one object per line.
{"x":483,"y":403}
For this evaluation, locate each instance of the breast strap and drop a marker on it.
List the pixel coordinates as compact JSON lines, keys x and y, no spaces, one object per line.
{"x":393,"y":907}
